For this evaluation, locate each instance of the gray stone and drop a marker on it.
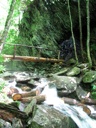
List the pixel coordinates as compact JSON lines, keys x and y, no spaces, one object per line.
{"x":65,"y":82}
{"x":48,"y":117}
{"x":22,"y":76}
{"x":5,"y":124}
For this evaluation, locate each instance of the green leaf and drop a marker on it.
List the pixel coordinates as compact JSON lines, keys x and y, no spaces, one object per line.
{"x":2,"y":68}
{"x":1,"y":59}
{"x":93,"y":87}
{"x":93,"y":95}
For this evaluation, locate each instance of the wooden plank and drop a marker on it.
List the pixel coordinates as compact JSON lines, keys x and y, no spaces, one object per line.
{"x":33,"y":59}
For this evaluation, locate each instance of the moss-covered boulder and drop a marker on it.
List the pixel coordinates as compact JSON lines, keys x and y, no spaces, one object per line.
{"x":89,"y":77}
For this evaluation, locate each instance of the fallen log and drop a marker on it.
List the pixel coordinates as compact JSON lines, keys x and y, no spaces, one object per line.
{"x":16,"y":96}
{"x":31,"y":93}
{"x":8,"y":112}
{"x":19,"y":96}
{"x":7,"y":116}
{"x":70,"y":101}
{"x":33,"y":59}
{"x":88,"y":101}
{"x":76,"y":102}
{"x":39,"y":99}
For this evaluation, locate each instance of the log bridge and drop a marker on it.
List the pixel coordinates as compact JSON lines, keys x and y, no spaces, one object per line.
{"x":32,"y":58}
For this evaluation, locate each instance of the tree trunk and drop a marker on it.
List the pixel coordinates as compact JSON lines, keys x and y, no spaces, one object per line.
{"x":7,"y":25}
{"x":88,"y":33}
{"x":80,"y":28}
{"x":74,"y":43}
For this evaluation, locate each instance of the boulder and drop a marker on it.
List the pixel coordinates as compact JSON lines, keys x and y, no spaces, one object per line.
{"x":81,"y":93}
{"x":22,"y":77}
{"x":48,"y":117}
{"x":73,"y":72}
{"x":89,"y":77}
{"x":65,"y":82}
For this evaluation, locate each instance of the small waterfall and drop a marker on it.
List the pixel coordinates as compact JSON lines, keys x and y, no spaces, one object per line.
{"x":76,"y":113}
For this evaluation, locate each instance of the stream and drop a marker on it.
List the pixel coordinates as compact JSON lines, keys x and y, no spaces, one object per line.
{"x":75,"y":112}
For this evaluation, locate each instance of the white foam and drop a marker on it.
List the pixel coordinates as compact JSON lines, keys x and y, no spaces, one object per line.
{"x":76,"y":113}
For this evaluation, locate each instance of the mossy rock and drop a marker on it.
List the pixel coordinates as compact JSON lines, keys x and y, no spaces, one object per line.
{"x":89,"y":77}
{"x":73,"y":72}
{"x":72,"y":61}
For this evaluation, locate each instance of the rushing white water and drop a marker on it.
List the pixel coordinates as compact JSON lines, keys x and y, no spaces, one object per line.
{"x":76,"y":113}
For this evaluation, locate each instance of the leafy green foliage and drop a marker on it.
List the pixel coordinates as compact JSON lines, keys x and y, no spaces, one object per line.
{"x":93,"y":94}
{"x":2,"y":68}
{"x":2,"y":84}
{"x":1,"y":59}
{"x":93,"y":87}
{"x":12,"y":37}
{"x":40,"y":27}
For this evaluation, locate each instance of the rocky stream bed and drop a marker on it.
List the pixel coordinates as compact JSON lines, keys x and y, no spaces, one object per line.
{"x":22,"y":92}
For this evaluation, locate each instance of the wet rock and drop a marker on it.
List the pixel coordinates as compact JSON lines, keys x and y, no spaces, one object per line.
{"x":83,"y":65}
{"x":93,"y":115}
{"x":48,"y":117}
{"x":64,"y":82}
{"x":73,"y":72}
{"x":22,"y":76}
{"x":4,"y":124}
{"x":40,"y":83}
{"x":89,"y":77}
{"x":8,"y":76}
{"x":24,"y":87}
{"x":81,"y":93}
{"x":84,"y":70}
{"x":33,"y":82}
